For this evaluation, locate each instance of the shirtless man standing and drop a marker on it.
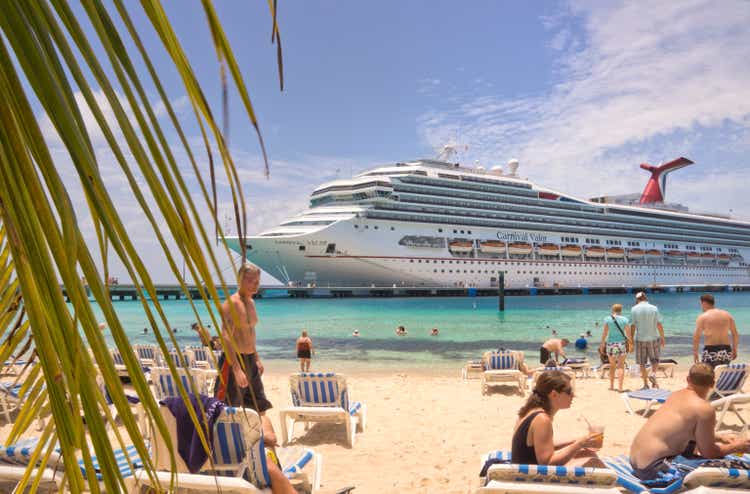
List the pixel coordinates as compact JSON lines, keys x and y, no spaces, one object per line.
{"x":715,"y":325}
{"x":233,"y":386}
{"x":553,"y":345}
{"x":239,"y":320}
{"x":685,"y":417}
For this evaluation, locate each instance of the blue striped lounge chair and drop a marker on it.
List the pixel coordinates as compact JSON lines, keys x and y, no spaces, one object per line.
{"x":164,"y":384}
{"x":10,"y":476}
{"x":119,"y":362}
{"x":321,"y":397}
{"x":12,"y":395}
{"x":146,"y":354}
{"x":163,"y":359}
{"x":20,"y":454}
{"x":239,"y":459}
{"x":731,"y":478}
{"x":729,"y":381}
{"x":502,"y":368}
{"x":203,"y":357}
{"x":518,"y":479}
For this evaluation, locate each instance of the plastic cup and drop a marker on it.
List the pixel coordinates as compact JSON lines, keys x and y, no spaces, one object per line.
{"x":597,"y":441}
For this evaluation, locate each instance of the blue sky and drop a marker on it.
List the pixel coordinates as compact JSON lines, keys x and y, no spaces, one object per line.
{"x":580,"y":92}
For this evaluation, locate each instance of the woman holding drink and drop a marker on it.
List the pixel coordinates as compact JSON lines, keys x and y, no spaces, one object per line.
{"x":533,"y":443}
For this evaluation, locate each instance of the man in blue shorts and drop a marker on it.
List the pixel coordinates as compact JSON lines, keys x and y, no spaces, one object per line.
{"x":648,"y":332}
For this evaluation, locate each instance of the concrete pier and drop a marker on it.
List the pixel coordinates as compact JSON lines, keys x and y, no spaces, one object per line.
{"x":174,"y":292}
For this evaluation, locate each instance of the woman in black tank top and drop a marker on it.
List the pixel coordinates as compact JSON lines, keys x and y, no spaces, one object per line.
{"x":532,"y":442}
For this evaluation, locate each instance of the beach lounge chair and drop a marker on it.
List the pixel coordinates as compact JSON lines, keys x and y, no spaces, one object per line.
{"x":566,"y":370}
{"x":702,"y":476}
{"x":578,"y":365}
{"x":517,"y":479}
{"x":162,"y":359}
{"x":730,"y":404}
{"x":729,"y":381}
{"x":164,"y":385}
{"x":20,"y":454}
{"x":502,"y":368}
{"x":321,"y":397}
{"x":12,"y":395}
{"x":10,"y":476}
{"x":202,"y":357}
{"x":472,"y":369}
{"x":712,"y":490}
{"x":146,"y":354}
{"x":119,"y":362}
{"x":239,"y":459}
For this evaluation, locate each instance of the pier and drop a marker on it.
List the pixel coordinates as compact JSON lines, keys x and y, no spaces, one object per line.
{"x":174,"y":292}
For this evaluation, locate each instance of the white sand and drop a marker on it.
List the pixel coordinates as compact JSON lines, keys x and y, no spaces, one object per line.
{"x":427,"y":428}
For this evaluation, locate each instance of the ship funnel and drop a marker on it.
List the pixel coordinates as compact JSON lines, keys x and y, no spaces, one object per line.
{"x":513,"y":167}
{"x":656,"y":188}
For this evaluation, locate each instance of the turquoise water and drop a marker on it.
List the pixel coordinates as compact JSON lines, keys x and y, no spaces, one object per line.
{"x":468,"y":326}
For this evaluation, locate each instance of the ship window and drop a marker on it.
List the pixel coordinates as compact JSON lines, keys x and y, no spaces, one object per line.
{"x":356,"y":226}
{"x":375,"y":227}
{"x":301,"y":247}
{"x":392,"y":229}
{"x":331,"y":248}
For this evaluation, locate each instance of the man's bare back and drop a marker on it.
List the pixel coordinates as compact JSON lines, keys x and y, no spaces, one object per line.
{"x":670,"y":429}
{"x":554,"y":345}
{"x":685,"y":416}
{"x":715,"y":324}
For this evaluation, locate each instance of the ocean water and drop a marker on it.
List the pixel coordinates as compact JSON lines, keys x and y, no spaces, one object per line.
{"x":468,"y":325}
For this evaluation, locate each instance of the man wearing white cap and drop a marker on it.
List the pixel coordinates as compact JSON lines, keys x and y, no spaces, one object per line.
{"x":648,"y":332}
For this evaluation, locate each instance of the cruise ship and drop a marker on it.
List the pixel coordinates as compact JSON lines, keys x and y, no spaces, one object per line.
{"x":435,"y":223}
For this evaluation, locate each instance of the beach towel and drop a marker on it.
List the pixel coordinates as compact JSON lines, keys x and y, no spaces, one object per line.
{"x":680,"y":466}
{"x":188,"y":441}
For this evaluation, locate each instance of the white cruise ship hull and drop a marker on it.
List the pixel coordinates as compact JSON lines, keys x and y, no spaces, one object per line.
{"x":359,"y":260}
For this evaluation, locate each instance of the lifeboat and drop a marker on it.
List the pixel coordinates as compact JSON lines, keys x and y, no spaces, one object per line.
{"x":636,"y":254}
{"x":548,"y":249}
{"x":693,"y":257}
{"x":675,"y":255}
{"x":461,"y":246}
{"x":615,"y":253}
{"x":492,"y":246}
{"x":595,"y":252}
{"x":724,"y":258}
{"x":519,"y":248}
{"x":737,"y":257}
{"x":653,"y":254}
{"x":707,"y":257}
{"x":571,"y":251}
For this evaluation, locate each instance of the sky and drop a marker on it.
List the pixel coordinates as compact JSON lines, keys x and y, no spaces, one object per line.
{"x":580,"y":92}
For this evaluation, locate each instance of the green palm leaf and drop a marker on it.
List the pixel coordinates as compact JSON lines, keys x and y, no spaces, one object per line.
{"x":46,"y":59}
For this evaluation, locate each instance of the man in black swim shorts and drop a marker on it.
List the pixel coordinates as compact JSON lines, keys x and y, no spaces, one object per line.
{"x":716,"y":326}
{"x":240,"y":367}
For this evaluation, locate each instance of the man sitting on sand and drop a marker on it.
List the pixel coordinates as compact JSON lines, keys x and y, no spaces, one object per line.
{"x":553,"y":345}
{"x":715,"y":325}
{"x":684,"y":421}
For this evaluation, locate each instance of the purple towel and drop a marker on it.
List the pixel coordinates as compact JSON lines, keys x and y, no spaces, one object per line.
{"x":188,"y":441}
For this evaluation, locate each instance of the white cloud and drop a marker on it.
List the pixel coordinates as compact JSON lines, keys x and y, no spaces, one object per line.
{"x":643,"y":82}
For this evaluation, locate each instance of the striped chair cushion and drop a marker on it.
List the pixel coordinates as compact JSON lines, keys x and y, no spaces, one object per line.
{"x":552,"y":474}
{"x":731,"y":379}
{"x":625,"y":477}
{"x":238,"y":439}
{"x":294,"y":459}
{"x":502,"y":361}
{"x":145,"y":351}
{"x":121,"y":457}
{"x":320,"y":389}
{"x":20,"y":453}
{"x":166,"y":385}
{"x":13,"y":390}
{"x":117,"y":357}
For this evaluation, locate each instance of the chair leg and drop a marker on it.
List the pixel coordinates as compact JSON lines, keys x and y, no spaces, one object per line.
{"x":628,"y":406}
{"x":285,"y":432}
{"x":362,"y":418}
{"x":317,"y":476}
{"x":720,"y":419}
{"x":350,"y":430}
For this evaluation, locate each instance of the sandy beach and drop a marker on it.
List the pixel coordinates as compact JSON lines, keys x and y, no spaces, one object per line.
{"x":426,"y":428}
